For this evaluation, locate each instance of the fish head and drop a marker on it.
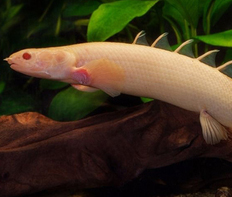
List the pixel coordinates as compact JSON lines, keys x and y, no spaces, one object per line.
{"x":42,"y":63}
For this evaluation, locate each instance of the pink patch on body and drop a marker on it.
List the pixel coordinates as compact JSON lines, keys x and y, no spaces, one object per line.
{"x":81,"y":76}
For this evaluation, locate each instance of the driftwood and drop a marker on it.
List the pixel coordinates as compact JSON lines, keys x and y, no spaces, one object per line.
{"x":110,"y":149}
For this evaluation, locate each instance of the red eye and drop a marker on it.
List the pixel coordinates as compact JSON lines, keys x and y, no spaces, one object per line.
{"x":26,"y":56}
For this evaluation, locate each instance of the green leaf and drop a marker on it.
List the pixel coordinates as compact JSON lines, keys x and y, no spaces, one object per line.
{"x":228,"y":55}
{"x":146,"y":100}
{"x":51,"y":85}
{"x":71,"y":104}
{"x":10,"y":17}
{"x":34,"y":28}
{"x":169,"y":11}
{"x":189,"y":9}
{"x":207,"y":13}
{"x":110,"y":18}
{"x":219,"y":8}
{"x":213,"y":10}
{"x":174,"y":17}
{"x":2,"y":86}
{"x":80,"y":8}
{"x":219,"y":39}
{"x":58,"y":25}
{"x":13,"y":11}
{"x":15,"y":101}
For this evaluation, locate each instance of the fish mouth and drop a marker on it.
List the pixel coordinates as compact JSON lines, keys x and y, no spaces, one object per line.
{"x":12,"y":63}
{"x":9,"y":61}
{"x":15,"y":67}
{"x":27,"y":71}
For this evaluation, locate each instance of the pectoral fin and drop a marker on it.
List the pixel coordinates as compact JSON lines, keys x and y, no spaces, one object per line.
{"x":84,"y":88}
{"x":101,"y":74}
{"x":213,"y":131}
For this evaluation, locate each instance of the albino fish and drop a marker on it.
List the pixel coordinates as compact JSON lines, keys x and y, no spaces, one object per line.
{"x":139,"y":70}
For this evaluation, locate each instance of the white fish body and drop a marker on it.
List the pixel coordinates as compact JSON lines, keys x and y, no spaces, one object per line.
{"x":141,"y":71}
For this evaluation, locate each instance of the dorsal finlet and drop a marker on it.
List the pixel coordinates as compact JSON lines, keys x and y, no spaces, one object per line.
{"x":209,"y":58}
{"x":224,"y":65}
{"x":226,"y":68}
{"x":140,"y":39}
{"x":185,"y":48}
{"x":162,"y":42}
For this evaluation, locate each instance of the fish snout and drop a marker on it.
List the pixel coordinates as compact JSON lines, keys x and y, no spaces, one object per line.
{"x":9,"y":60}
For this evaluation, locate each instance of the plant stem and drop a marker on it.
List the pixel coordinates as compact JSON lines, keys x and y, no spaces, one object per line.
{"x":82,"y":22}
{"x":58,"y":25}
{"x":178,"y":35}
{"x":45,"y":11}
{"x":29,"y":81}
{"x":194,"y":33}
{"x":129,"y":34}
{"x":8,"y":4}
{"x":208,"y":18}
{"x":186,"y":25}
{"x":208,"y":22}
{"x":175,"y":29}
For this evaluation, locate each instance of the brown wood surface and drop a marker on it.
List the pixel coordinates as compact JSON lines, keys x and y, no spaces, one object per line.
{"x":110,"y":149}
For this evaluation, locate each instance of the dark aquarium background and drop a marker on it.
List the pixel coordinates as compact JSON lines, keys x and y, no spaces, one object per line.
{"x":46,"y":23}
